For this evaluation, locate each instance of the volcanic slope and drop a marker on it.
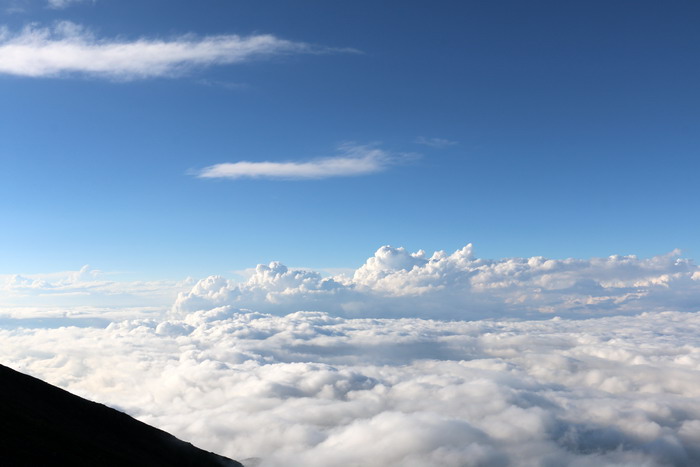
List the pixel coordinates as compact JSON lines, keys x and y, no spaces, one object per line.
{"x":41,"y":424}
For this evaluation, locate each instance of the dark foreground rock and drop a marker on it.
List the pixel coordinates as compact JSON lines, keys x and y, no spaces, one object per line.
{"x":42,"y":425}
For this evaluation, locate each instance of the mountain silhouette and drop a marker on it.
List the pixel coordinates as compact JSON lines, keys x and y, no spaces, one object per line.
{"x":42,"y":425}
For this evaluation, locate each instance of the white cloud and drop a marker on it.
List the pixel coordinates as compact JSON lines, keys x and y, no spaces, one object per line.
{"x":312,"y":389}
{"x":354,"y":160}
{"x":395,"y":282}
{"x":69,"y":49}
{"x":392,"y":283}
{"x":435,"y":142}
{"x":349,"y":386}
{"x":85,"y":293}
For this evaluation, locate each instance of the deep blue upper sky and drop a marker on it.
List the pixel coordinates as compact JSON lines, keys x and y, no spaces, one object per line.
{"x":556,"y":128}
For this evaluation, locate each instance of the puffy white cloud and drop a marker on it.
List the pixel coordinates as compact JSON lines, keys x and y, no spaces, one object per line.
{"x":354,"y":160}
{"x":395,"y":282}
{"x":68,"y":48}
{"x":312,"y":389}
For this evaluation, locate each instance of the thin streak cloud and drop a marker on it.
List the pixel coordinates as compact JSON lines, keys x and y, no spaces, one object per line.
{"x":68,"y":49}
{"x":435,"y":142}
{"x":61,"y":4}
{"x":353,"y":161}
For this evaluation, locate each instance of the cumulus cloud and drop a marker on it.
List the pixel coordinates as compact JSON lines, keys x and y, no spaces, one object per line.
{"x":68,"y":48}
{"x":309,"y":388}
{"x":395,"y":282}
{"x":354,"y":160}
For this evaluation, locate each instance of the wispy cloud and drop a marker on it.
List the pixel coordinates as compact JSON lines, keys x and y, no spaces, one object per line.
{"x":68,"y":48}
{"x":354,"y":160}
{"x":86,"y":288}
{"x":230,"y":85}
{"x":435,"y":142}
{"x":10,"y":7}
{"x":60,"y":4}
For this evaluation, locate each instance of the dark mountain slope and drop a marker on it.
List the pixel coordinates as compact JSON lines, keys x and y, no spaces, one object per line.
{"x":43,"y":425}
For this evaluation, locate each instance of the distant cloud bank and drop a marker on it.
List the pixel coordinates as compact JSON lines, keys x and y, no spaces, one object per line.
{"x":354,"y":160}
{"x":395,"y":282}
{"x":68,"y":49}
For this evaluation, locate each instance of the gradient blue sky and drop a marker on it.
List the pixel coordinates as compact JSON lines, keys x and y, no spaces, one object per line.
{"x":561,"y":129}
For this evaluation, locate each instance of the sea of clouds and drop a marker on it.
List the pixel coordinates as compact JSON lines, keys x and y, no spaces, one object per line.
{"x":412,"y":360}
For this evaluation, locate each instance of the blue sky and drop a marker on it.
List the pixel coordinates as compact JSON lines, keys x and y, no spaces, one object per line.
{"x":561,"y":129}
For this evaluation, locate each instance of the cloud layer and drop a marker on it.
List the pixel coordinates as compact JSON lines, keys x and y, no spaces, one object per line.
{"x":392,"y":283}
{"x":395,"y":282}
{"x":69,"y":49}
{"x":378,"y":378}
{"x":316,"y":390}
{"x":354,"y":160}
